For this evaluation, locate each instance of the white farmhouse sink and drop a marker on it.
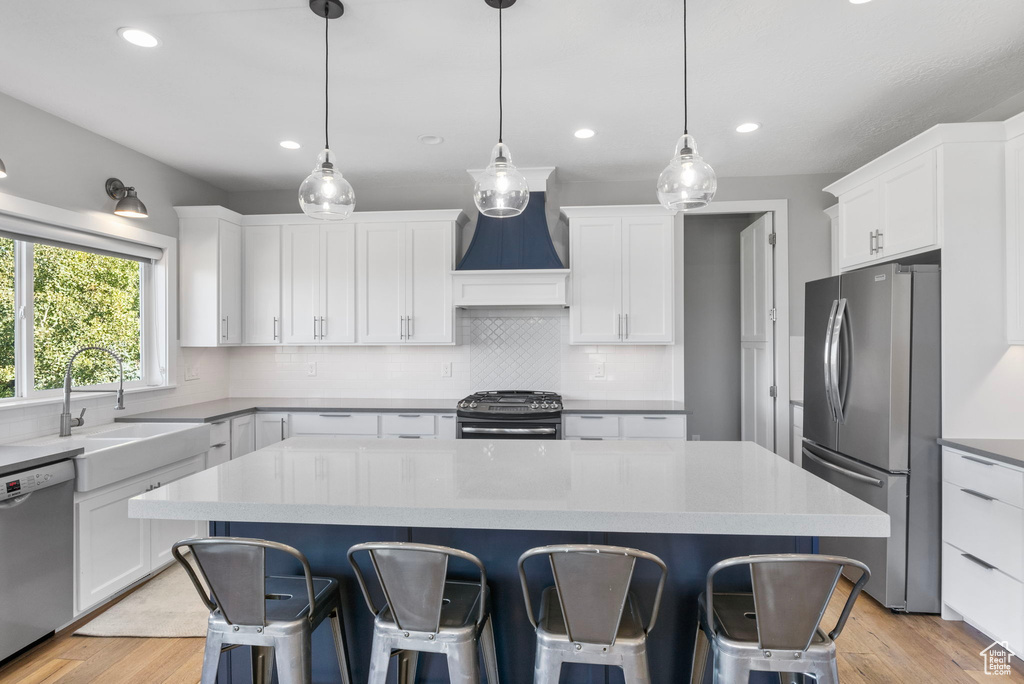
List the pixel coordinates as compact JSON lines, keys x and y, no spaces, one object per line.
{"x":114,"y":452}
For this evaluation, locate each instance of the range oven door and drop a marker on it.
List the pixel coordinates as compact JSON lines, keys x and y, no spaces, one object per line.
{"x":886,"y":557}
{"x":493,"y":430}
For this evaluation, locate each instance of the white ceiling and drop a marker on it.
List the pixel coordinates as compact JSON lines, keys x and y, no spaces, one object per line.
{"x":833,"y":83}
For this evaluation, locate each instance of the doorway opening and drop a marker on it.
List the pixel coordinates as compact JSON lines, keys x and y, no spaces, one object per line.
{"x":730,"y":328}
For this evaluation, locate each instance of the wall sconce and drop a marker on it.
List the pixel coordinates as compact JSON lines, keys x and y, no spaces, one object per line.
{"x":128,"y":204}
{"x":3,"y":169}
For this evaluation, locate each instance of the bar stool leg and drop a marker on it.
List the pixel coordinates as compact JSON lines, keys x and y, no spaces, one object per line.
{"x":731,"y":670}
{"x":262,"y":664}
{"x":702,"y":657}
{"x":547,"y":667}
{"x":211,"y":657}
{"x":489,"y":651}
{"x":338,"y":632}
{"x":294,"y":664}
{"x":635,"y":670}
{"x":380,"y":657}
{"x":463,"y":664}
{"x":408,"y":661}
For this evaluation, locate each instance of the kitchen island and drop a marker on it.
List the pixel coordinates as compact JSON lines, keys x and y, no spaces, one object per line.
{"x":691,"y":503}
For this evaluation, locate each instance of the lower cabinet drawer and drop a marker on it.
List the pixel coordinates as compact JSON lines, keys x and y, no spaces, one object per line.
{"x":334,"y":424}
{"x":656,"y":426}
{"x":591,"y":425}
{"x":220,"y":432}
{"x":984,"y":527}
{"x":991,"y":600}
{"x":446,"y":426}
{"x":407,"y":424}
{"x":218,"y":453}
{"x":983,"y":475}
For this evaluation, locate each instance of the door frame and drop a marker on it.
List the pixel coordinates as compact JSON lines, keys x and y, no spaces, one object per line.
{"x":780,"y":216}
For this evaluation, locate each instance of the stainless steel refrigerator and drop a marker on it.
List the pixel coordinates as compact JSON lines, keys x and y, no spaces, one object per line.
{"x":872,"y":415}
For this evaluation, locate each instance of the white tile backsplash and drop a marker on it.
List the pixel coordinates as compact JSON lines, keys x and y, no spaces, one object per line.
{"x":515,"y":353}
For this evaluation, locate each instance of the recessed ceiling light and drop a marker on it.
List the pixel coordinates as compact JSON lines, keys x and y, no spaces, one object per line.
{"x":747,"y":127}
{"x":138,"y":37}
{"x":584,"y":133}
{"x":430,"y":139}
{"x":290,"y":145}
{"x":858,"y":2}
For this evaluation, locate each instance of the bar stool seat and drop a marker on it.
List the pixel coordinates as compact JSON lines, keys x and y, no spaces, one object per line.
{"x":736,"y":617}
{"x":286,"y":598}
{"x":551,"y":622}
{"x":460,"y":606}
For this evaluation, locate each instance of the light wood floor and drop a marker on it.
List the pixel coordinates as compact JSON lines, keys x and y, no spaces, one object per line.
{"x":876,"y":647}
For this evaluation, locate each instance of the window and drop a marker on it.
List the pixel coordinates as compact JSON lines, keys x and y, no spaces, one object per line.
{"x":55,"y":300}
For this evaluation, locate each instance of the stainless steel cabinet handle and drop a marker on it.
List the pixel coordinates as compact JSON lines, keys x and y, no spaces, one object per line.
{"x":335,"y":415}
{"x":282,"y":429}
{"x":276,"y":336}
{"x":219,"y":422}
{"x":408,"y":327}
{"x":408,"y":436}
{"x":977,"y":460}
{"x":978,"y":561}
{"x":879,"y":245}
{"x":977,"y":494}
{"x":323,"y":321}
{"x":843,"y":471}
{"x":408,"y":415}
{"x":509,"y":431}
{"x":626,"y":335}
{"x":401,"y":327}
{"x":592,"y":417}
{"x":655,"y":417}
{"x":224,"y":327}
{"x":314,"y":327}
{"x":591,"y":439}
{"x":872,"y":249}
{"x":618,"y":329}
{"x":217,"y":446}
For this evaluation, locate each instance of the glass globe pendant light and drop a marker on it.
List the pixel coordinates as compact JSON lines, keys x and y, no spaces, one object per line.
{"x":325,"y":194}
{"x":501,"y":190}
{"x":688,"y":182}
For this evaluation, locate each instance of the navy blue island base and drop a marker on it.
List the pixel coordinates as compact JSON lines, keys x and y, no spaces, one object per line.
{"x":688,"y":556}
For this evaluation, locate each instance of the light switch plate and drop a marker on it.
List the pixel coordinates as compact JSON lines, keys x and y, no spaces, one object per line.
{"x":599,"y":369}
{"x":191,"y":373}
{"x":446,"y":369}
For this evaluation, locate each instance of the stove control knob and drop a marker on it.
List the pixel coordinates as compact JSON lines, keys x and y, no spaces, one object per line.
{"x":556,"y":405}
{"x":463,"y":404}
{"x":544,"y":405}
{"x":473,"y":405}
{"x":533,"y":406}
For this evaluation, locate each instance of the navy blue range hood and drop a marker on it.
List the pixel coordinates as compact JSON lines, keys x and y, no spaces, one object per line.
{"x":519,"y":242}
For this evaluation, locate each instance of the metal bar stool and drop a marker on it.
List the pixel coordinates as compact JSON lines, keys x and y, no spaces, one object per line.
{"x":274,"y":615}
{"x":590,"y":615}
{"x":775,"y":628}
{"x":424,"y":611}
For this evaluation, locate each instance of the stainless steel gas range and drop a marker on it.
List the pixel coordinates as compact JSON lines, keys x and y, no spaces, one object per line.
{"x":510,"y":414}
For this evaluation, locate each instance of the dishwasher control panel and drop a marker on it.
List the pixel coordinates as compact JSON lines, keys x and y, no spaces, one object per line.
{"x":25,"y":482}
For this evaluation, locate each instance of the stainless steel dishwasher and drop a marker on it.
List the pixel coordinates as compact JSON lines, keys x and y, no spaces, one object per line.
{"x":36,"y":554}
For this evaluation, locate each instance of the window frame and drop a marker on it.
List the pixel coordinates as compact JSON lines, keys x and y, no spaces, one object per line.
{"x":158,"y":288}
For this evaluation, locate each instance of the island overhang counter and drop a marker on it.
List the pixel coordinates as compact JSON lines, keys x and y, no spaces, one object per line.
{"x":691,"y":503}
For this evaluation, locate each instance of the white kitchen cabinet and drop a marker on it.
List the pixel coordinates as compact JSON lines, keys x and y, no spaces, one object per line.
{"x":261,"y":283}
{"x":622,"y":275}
{"x":446,"y":426}
{"x":318,"y":284}
{"x":797,"y":434}
{"x":210,"y":277}
{"x":603,"y":426}
{"x":983,"y":545}
{"x":1015,"y":238}
{"x":220,"y":443}
{"x":243,"y":435}
{"x":271,"y":428}
{"x":114,"y":550}
{"x":910,"y":220}
{"x":404,"y":282}
{"x":860,"y":217}
{"x":353,"y":423}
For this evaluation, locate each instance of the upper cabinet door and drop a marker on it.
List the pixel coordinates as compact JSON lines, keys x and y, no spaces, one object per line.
{"x":595,"y":315}
{"x":337,"y":324}
{"x":860,"y":217}
{"x":262,"y":284}
{"x":230,"y":286}
{"x":380,"y":282}
{"x":910,"y":207}
{"x":300,"y":284}
{"x":429,"y":260}
{"x":648,"y":283}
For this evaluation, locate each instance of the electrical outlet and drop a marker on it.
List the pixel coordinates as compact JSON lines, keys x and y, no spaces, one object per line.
{"x":446,"y":369}
{"x":599,"y":369}
{"x":191,"y":373}
{"x":311,"y":369}
{"x":695,"y":438}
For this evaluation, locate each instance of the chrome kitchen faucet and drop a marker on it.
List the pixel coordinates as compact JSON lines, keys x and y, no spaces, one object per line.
{"x":66,"y":421}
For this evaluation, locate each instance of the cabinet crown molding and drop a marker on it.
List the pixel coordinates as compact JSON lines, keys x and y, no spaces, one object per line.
{"x":941,"y":134}
{"x":215,"y":211}
{"x":616,"y":210}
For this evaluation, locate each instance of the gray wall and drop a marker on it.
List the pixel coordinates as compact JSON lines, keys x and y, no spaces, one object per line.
{"x":52,"y":161}
{"x":711,"y":293}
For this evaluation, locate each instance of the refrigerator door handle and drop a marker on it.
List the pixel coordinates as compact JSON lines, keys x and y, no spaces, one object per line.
{"x":835,"y":338}
{"x":828,"y":360}
{"x":843,"y":471}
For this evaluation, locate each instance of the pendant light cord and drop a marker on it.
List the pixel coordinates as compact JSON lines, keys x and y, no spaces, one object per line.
{"x":686,"y":81}
{"x":327,"y":74}
{"x":501,"y":73}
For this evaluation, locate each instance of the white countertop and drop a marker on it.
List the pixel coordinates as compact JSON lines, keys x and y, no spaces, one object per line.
{"x":609,"y":486}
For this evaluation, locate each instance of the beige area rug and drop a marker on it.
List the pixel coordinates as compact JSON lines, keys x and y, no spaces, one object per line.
{"x":165,"y":606}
